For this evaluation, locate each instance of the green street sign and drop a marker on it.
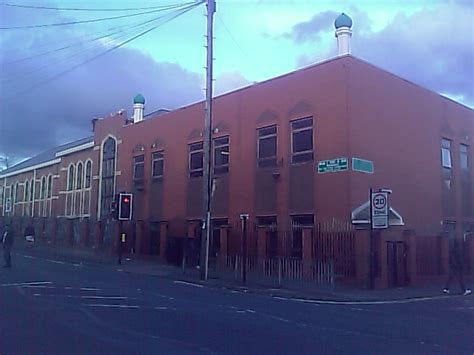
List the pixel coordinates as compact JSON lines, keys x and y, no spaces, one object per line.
{"x":362,"y":165}
{"x":332,"y":165}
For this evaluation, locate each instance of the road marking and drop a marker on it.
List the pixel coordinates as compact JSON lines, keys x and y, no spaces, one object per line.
{"x":55,"y":261}
{"x":161,"y":308}
{"x":32,"y":283}
{"x":29,"y":256}
{"x":188,"y":283}
{"x":89,"y":289}
{"x":111,"y":305}
{"x":104,"y":297}
{"x":402,"y":301}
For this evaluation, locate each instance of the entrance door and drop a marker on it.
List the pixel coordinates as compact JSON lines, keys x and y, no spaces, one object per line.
{"x":154,"y":238}
{"x":396,"y":264}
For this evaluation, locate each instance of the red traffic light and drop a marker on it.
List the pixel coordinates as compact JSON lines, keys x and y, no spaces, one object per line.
{"x":126,"y":200}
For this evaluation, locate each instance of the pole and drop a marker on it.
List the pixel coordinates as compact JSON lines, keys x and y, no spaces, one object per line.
{"x":207,"y":163}
{"x":244,"y":217}
{"x":371,"y":246}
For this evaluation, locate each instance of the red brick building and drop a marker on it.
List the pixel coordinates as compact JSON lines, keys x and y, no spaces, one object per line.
{"x":268,"y":141}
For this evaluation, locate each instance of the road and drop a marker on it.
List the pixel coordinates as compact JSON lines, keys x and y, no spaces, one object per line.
{"x":54,"y":307}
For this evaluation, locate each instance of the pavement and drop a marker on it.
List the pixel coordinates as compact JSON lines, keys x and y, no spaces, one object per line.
{"x":59,"y":304}
{"x":151,"y":266}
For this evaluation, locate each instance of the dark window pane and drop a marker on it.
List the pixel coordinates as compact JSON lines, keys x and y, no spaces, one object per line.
{"x":139,"y":171}
{"x":196,"y":146}
{"x":302,"y":157}
{"x":303,"y":141}
{"x":267,"y":131}
{"x":267,"y":147}
{"x":157,"y":168}
{"x":221,"y":141}
{"x":139,"y":159}
{"x":221,"y":156}
{"x":195,"y":173}
{"x":79,"y":177}
{"x":221,"y":169}
{"x":157,"y":155}
{"x":196,"y":161}
{"x":303,"y":123}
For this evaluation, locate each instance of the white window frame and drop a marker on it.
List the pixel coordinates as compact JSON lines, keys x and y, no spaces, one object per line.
{"x":446,"y":159}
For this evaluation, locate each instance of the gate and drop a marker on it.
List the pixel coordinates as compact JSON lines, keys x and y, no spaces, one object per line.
{"x":396,"y":264}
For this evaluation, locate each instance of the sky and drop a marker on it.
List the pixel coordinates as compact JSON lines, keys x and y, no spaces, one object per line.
{"x":55,"y":79}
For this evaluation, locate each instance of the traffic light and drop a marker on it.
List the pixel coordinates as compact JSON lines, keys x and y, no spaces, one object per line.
{"x":125,"y":204}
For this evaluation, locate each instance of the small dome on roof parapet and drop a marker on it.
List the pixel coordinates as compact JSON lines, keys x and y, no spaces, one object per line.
{"x":343,"y":21}
{"x":139,"y":99}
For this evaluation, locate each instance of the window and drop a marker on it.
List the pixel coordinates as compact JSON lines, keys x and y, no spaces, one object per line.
{"x":43,"y":188}
{"x":87,"y":182}
{"x":138,"y":167}
{"x":266,"y":146}
{"x":297,"y":225}
{"x":221,"y":155}
{"x":79,"y":176}
{"x":107,"y":176}
{"x":196,"y":159}
{"x":302,"y":140}
{"x":157,"y":165}
{"x":26,"y":193}
{"x":70,"y":178}
{"x":32,"y":190}
{"x":463,"y":156}
{"x":50,"y":186}
{"x":446,"y":153}
{"x":15,"y":187}
{"x":16,"y":191}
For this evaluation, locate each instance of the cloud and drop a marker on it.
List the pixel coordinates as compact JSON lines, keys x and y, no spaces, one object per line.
{"x":311,"y":30}
{"x":62,"y":109}
{"x":228,"y":81}
{"x":434,"y":51}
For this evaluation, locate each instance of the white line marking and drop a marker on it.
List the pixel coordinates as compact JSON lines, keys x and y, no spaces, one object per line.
{"x":55,"y":261}
{"x":111,"y":305}
{"x":188,"y":283}
{"x":32,"y":283}
{"x":409,"y":300}
{"x":161,"y":308}
{"x":30,"y":257}
{"x":104,"y":297}
{"x":89,"y":289}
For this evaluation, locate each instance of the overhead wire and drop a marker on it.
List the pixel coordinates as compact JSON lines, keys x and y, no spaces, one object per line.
{"x":14,"y":76}
{"x":81,"y":9}
{"x":119,"y":29}
{"x":51,"y":78}
{"x":97,"y":19}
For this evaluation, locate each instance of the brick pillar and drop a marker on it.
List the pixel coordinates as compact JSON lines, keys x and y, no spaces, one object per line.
{"x":98,"y":235}
{"x":139,"y":237}
{"x":307,"y":249}
{"x":163,"y":240}
{"x":262,"y":242}
{"x":69,"y":232}
{"x":84,"y":233}
{"x":362,"y":256}
{"x":382,"y":250}
{"x":444,"y":255}
{"x":54,"y":230}
{"x":412,"y":272}
{"x":224,"y":241}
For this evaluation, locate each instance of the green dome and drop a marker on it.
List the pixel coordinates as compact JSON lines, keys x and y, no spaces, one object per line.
{"x":343,"y":21}
{"x":139,"y":99}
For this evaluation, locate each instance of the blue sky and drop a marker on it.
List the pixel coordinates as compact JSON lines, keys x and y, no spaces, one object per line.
{"x":428,"y":42}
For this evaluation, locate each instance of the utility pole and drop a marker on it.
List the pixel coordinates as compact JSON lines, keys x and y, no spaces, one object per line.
{"x":207,"y":156}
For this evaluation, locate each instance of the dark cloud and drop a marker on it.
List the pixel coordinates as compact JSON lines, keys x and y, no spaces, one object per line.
{"x":432,"y":47}
{"x":61,"y":110}
{"x":311,"y":30}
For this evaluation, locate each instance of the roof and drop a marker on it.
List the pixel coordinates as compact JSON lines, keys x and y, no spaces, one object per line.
{"x":47,"y":156}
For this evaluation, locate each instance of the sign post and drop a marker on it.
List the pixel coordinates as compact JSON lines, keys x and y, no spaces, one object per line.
{"x":379,"y":211}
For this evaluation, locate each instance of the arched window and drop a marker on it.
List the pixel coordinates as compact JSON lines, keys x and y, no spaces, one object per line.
{"x":50,"y":186}
{"x":88,"y":178}
{"x":26,"y":194}
{"x":43,"y":188}
{"x":15,"y":193}
{"x":70,"y":178}
{"x":79,"y":176}
{"x":32,"y":189}
{"x":107,"y":176}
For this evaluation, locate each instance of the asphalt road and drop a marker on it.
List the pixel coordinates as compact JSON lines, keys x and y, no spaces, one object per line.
{"x":52,"y":307}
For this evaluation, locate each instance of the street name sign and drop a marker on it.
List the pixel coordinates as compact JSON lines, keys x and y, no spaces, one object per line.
{"x":332,"y":165}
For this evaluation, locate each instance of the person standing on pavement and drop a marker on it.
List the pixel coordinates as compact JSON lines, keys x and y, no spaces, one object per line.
{"x":456,"y":269}
{"x":7,"y":243}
